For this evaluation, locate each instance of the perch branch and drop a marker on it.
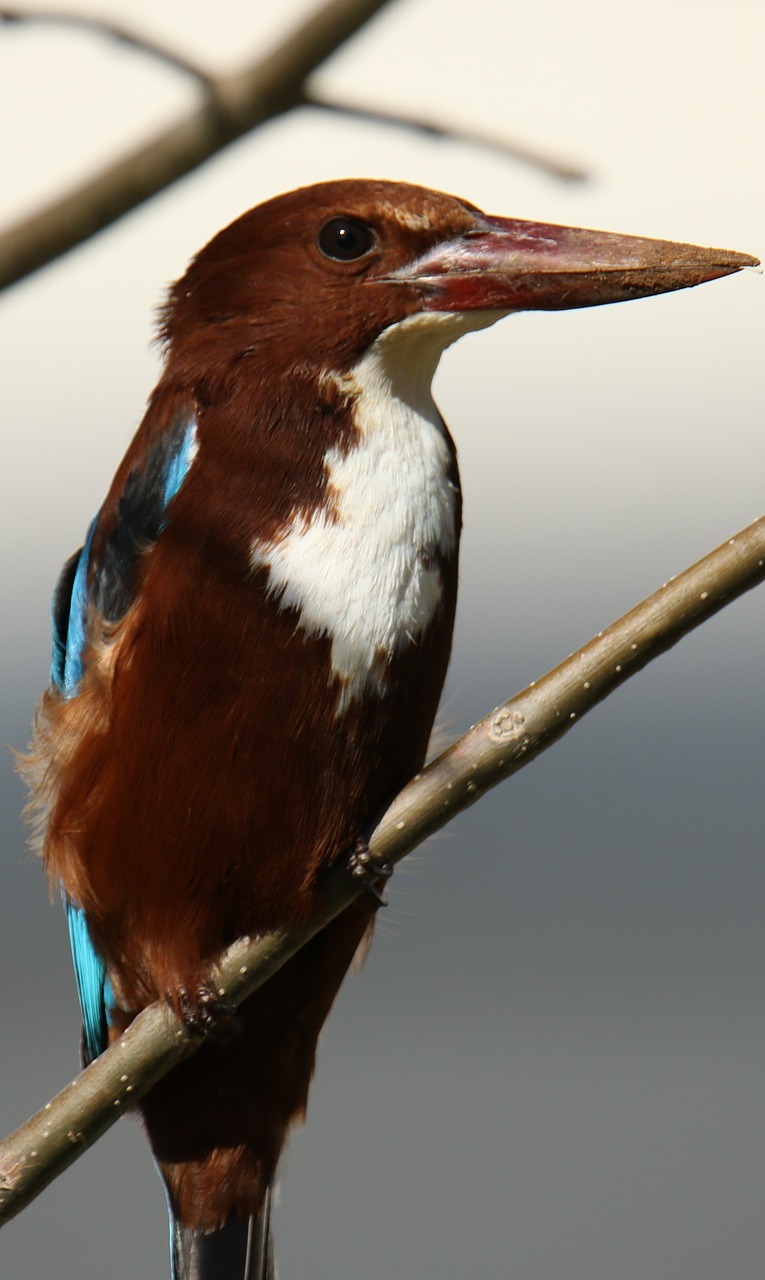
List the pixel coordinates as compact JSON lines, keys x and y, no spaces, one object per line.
{"x":506,"y":740}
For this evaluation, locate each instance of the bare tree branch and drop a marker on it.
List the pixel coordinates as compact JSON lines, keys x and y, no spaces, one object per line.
{"x":235,"y":104}
{"x":506,"y":740}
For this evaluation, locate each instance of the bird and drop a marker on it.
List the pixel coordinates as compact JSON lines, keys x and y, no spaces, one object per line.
{"x":250,"y":646}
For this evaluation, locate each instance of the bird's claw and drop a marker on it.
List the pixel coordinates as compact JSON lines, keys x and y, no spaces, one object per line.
{"x":205,"y":1016}
{"x":366,"y":870}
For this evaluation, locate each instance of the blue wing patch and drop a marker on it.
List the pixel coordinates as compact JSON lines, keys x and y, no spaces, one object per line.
{"x":93,"y":986}
{"x":67,"y":664}
{"x":142,"y":514}
{"x":109,"y":586}
{"x":178,"y":463}
{"x":60,"y":612}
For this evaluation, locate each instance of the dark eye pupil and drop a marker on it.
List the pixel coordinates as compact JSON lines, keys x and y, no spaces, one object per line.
{"x":345,"y":239}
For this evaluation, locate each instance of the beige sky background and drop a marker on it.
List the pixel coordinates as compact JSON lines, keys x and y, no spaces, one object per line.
{"x":553,"y":1065}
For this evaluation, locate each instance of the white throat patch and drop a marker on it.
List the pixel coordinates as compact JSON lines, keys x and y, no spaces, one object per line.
{"x":363,"y":573}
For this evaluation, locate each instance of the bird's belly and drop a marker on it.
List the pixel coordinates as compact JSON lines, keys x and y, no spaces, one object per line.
{"x":209,"y":808}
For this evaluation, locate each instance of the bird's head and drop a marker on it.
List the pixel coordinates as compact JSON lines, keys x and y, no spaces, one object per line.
{"x":315,"y":276}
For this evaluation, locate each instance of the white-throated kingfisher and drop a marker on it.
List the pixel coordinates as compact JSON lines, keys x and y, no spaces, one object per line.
{"x":250,"y":647}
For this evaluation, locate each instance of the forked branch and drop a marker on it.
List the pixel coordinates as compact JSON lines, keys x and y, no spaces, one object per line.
{"x":231,"y":106}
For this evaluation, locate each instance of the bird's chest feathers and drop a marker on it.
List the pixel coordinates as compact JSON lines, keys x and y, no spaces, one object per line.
{"x":365,"y":568}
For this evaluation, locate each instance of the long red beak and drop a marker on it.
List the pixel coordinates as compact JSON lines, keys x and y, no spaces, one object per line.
{"x":506,"y":264}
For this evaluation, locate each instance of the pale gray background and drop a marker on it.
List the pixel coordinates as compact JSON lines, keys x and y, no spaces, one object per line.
{"x":553,"y":1065}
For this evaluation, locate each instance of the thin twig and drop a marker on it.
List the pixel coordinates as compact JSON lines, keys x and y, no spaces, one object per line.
{"x":498,"y":143}
{"x":111,"y":31}
{"x":506,"y":740}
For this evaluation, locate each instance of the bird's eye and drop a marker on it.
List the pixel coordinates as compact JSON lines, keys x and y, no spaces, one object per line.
{"x":345,"y":239}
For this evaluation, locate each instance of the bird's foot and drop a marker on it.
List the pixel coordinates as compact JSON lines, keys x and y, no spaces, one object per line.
{"x":205,"y":1016}
{"x":367,"y":871}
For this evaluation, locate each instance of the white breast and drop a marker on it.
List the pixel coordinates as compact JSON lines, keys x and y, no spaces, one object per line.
{"x":365,"y":573}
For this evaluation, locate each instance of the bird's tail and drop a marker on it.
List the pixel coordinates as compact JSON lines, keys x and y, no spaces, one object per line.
{"x":243,"y":1249}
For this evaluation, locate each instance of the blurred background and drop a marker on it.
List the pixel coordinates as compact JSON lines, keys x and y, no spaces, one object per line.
{"x":553,"y":1064}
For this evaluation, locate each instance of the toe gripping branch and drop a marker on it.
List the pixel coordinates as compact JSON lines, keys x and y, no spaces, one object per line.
{"x":201,"y":1010}
{"x":205,"y":1015}
{"x":366,"y":871}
